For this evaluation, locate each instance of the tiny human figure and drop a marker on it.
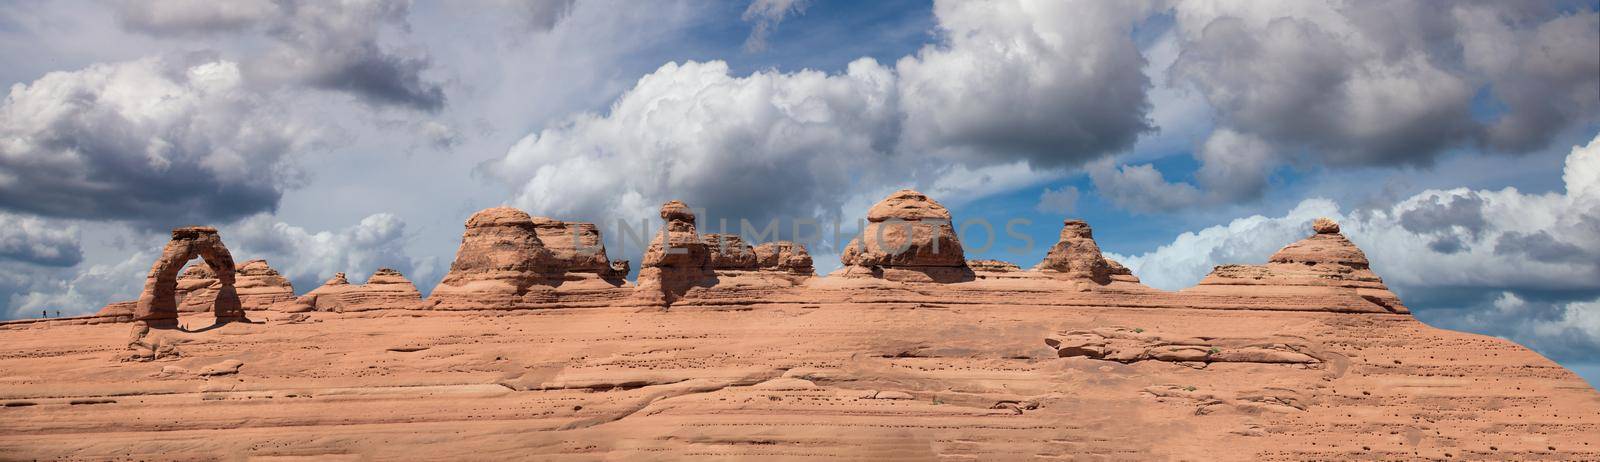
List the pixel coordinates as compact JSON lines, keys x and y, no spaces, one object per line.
{"x":44,"y":313}
{"x":58,"y":313}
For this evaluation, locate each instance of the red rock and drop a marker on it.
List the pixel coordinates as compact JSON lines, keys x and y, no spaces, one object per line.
{"x":908,"y":235}
{"x":386,"y":289}
{"x":576,"y":246}
{"x":996,"y":266}
{"x":1077,"y":256}
{"x":159,"y":301}
{"x":730,"y":252}
{"x":500,"y":261}
{"x":1325,"y":271}
{"x":784,"y":256}
{"x":676,"y":260}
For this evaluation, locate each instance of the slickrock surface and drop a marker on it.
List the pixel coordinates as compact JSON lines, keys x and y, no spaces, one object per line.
{"x":1290,"y":360}
{"x":1322,"y":272}
{"x":908,"y":237}
{"x":930,"y":377}
{"x":386,"y":289}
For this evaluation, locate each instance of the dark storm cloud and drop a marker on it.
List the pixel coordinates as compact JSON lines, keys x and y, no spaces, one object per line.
{"x":1356,"y":84}
{"x":1444,"y":213}
{"x":33,"y":240}
{"x":1560,"y":324}
{"x":1540,"y":246}
{"x":159,"y":142}
{"x":1294,"y":83}
{"x":1372,"y":83}
{"x":327,"y":45}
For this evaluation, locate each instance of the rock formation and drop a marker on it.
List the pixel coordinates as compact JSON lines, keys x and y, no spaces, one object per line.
{"x":500,"y":262}
{"x":510,"y":260}
{"x":577,"y":247}
{"x":730,"y":252}
{"x":993,"y":266}
{"x":908,"y":237}
{"x":677,"y":259}
{"x":259,"y":287}
{"x":784,"y":256}
{"x":1323,"y":272}
{"x":159,"y":301}
{"x":1305,"y":357}
{"x":1077,"y":256}
{"x":386,"y":289}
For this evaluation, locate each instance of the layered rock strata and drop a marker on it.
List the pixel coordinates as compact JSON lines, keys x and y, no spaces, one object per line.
{"x":677,"y":259}
{"x":258,"y":285}
{"x":730,"y":252}
{"x":1324,"y":272}
{"x":908,"y":237}
{"x":501,"y":263}
{"x":386,"y":289}
{"x":505,"y":262}
{"x":261,"y":287}
{"x":578,"y":248}
{"x":784,"y":256}
{"x":1077,"y":256}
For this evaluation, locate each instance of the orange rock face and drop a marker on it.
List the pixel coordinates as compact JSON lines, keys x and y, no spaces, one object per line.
{"x":501,"y":261}
{"x":730,"y":252}
{"x":1306,"y":357}
{"x":677,"y":260}
{"x":784,"y":256}
{"x":259,"y":287}
{"x":159,"y":300}
{"x":386,"y":289}
{"x":1076,"y":255}
{"x":1322,"y":272}
{"x":908,"y":236}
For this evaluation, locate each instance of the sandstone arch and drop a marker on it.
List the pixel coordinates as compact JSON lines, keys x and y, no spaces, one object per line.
{"x":158,"y":301}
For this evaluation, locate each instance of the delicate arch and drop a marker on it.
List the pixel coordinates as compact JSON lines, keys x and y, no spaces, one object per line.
{"x":159,"y":298}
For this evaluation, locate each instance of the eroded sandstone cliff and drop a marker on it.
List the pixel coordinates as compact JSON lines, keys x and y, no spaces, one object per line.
{"x":1305,"y":357}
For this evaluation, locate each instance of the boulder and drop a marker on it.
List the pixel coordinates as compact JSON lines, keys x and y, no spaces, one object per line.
{"x":784,"y":256}
{"x":909,"y":237}
{"x":906,"y":229}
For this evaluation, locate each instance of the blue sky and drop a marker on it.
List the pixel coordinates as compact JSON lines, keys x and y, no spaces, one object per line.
{"x":1456,"y":148}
